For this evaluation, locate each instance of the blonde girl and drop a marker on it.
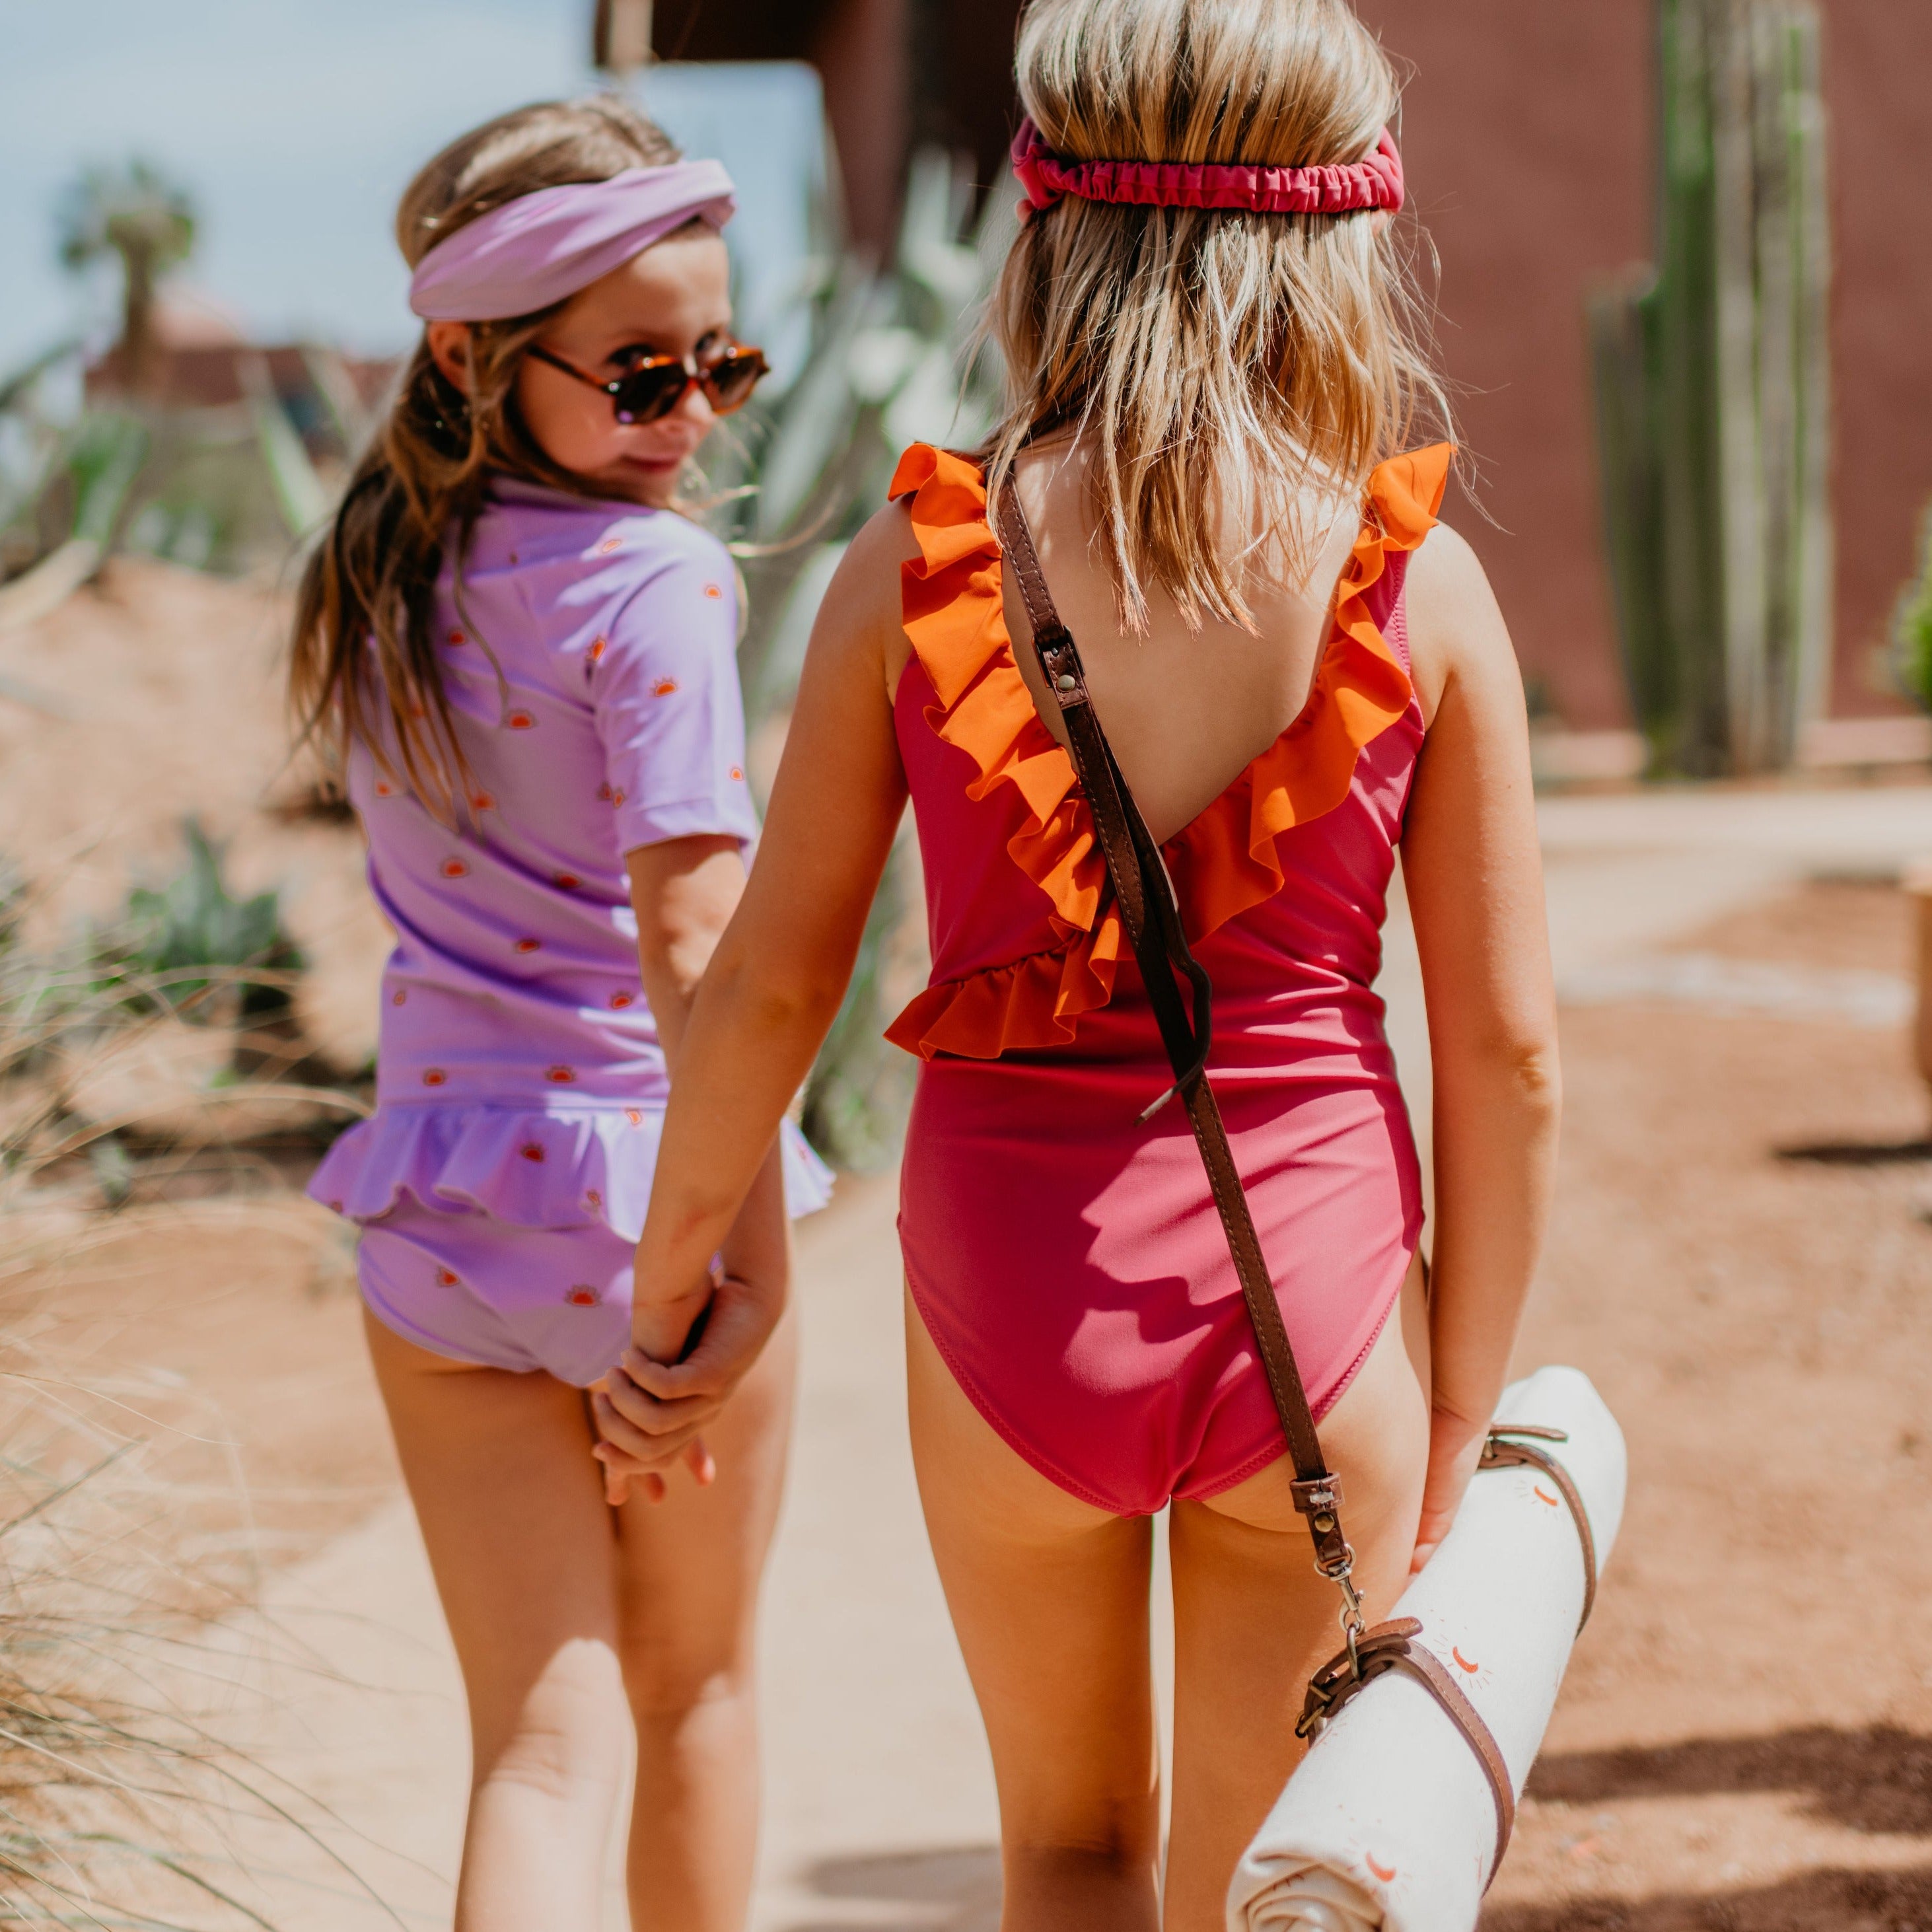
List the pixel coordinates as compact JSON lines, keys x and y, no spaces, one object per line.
{"x":524,"y":654}
{"x":1212,"y":429}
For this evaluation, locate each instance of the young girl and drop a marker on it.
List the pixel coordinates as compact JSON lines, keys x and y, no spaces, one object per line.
{"x":526,"y":654}
{"x":1209,"y":428}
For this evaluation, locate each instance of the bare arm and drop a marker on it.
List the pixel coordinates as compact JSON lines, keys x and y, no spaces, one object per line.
{"x":684,"y":892}
{"x":1474,"y":880}
{"x":772,"y":990}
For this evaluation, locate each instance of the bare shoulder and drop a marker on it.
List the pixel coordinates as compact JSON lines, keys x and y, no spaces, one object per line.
{"x":860,"y":616}
{"x":1456,"y":633}
{"x":886,"y":540}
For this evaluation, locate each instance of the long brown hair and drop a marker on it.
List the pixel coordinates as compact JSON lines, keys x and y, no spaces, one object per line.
{"x":420,"y":486}
{"x":1224,"y":365}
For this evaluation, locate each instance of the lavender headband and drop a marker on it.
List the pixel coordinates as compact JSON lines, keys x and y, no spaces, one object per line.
{"x":542,"y":247}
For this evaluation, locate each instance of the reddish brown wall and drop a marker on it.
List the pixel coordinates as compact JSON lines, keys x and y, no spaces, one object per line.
{"x":1527,"y":133}
{"x":862,"y":49}
{"x":1879,"y":80}
{"x":1528,"y":129}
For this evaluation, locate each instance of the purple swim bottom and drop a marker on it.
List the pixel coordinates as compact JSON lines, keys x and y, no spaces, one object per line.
{"x":516,"y":1265}
{"x":470,"y":1286}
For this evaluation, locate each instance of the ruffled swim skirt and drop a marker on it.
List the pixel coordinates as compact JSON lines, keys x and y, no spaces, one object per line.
{"x":505,"y":1237}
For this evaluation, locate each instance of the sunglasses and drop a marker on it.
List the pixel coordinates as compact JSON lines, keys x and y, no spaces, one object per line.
{"x":649,"y":392}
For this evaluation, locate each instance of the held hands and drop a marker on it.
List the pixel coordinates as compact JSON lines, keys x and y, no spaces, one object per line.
{"x":1455,"y":1448}
{"x":688,"y":1354}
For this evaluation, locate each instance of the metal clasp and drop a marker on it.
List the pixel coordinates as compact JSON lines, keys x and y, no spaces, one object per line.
{"x":1354,"y":1613}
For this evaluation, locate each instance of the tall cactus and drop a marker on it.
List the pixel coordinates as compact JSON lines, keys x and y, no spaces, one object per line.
{"x":1712,"y":382}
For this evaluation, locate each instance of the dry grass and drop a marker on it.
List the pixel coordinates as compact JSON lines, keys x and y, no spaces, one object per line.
{"x":127,"y":1565}
{"x":133,"y":1661}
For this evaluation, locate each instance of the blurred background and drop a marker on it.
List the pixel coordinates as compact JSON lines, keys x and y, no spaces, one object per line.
{"x":1680,"y":256}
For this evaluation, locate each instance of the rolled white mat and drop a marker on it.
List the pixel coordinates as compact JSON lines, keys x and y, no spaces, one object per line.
{"x":1388,"y":1825}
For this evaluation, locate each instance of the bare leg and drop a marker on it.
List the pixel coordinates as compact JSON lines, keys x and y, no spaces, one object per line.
{"x":512,"y":1510}
{"x":1252,"y":1620}
{"x":569,"y":1621}
{"x":1049,"y":1597}
{"x":689,"y":1571}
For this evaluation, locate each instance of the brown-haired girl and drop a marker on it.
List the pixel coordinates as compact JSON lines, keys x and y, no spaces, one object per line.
{"x":1214,"y":398}
{"x":525,"y":655}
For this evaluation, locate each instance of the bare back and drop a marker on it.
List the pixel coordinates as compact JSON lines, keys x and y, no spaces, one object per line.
{"x":1186,"y":709}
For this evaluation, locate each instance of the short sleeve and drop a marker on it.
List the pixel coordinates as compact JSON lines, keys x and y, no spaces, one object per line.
{"x":664,"y":692}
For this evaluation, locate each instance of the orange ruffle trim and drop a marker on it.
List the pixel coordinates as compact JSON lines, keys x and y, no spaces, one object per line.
{"x":1224,"y":861}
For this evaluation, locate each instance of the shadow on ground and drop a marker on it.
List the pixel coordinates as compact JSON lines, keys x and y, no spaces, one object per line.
{"x":1824,"y":1901}
{"x":953,"y":1890}
{"x":1859,"y":1154}
{"x":1879,"y":1779}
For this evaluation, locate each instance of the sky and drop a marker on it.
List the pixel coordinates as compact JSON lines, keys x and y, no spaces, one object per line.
{"x":294,"y":124}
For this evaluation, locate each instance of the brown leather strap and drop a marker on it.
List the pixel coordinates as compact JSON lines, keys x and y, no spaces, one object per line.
{"x":1393,"y":1646}
{"x":1503,"y":1451}
{"x":1145,"y":896}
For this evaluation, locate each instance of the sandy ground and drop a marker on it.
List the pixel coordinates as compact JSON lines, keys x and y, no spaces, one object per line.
{"x":1741,"y":1258}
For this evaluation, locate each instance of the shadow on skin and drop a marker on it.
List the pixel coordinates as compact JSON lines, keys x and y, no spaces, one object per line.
{"x":956,"y":1889}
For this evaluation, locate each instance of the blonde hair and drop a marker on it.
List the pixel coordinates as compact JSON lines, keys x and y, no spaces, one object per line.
{"x":1220,"y":365}
{"x":421,"y":485}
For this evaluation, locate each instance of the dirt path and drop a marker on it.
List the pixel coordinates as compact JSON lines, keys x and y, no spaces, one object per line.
{"x":1741,"y":1258}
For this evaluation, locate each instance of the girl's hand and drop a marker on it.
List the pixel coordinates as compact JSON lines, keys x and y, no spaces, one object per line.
{"x":651,"y":1411}
{"x":1455,"y":1448}
{"x":622,"y":1472}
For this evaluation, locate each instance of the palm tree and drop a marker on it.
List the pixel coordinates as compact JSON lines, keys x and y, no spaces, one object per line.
{"x":135,"y":212}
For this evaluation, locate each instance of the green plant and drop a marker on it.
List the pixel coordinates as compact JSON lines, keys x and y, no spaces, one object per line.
{"x":890,"y":361}
{"x":170,"y":935}
{"x":1712,"y":381}
{"x":168,"y":938}
{"x":1911,"y":623}
{"x":174,"y":1024}
{"x":134,"y":213}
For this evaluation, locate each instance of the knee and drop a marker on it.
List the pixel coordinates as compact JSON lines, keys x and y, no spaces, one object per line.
{"x":668,"y":1677}
{"x":565,"y":1738}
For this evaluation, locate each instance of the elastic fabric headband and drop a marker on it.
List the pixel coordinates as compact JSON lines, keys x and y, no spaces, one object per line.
{"x":543,"y":246}
{"x":1333,"y":189}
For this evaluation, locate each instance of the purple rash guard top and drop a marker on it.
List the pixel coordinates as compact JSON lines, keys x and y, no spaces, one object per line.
{"x":590,"y":664}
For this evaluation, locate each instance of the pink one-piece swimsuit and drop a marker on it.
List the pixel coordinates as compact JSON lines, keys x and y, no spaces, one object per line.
{"x":1067,"y":1260}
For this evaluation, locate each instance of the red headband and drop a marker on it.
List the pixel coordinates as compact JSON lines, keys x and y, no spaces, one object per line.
{"x":1046,"y":176}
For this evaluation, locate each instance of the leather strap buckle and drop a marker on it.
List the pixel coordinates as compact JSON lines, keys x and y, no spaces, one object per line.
{"x":1513,"y":1445}
{"x":1319,"y":1499}
{"x":1393,"y":1646}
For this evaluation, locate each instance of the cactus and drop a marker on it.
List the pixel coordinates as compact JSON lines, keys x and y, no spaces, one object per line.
{"x":1712,"y":378}
{"x":1911,"y":623}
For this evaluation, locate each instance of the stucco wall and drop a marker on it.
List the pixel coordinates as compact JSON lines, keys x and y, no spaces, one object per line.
{"x":1527,"y":133}
{"x":1878,"y":81}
